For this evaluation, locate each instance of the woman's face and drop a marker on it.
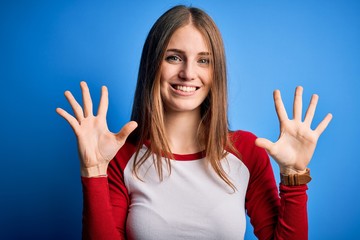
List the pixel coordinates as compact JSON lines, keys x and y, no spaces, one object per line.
{"x":186,"y":74}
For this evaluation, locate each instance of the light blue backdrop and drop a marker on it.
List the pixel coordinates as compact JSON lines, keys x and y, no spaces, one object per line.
{"x":47,"y":47}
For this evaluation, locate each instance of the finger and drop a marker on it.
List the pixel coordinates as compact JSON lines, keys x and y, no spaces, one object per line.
{"x":297,"y":108}
{"x":264,"y":143}
{"x":104,"y":102}
{"x":70,"y":119}
{"x":323,"y":124}
{"x":75,"y":106}
{"x":125,"y":131}
{"x":86,"y":99}
{"x":279,"y":106}
{"x":310,"y":112}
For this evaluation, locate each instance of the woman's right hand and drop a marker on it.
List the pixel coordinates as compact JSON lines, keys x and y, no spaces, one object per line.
{"x":96,"y":144}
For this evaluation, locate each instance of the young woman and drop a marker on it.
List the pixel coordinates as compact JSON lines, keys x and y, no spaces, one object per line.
{"x":176,"y":171}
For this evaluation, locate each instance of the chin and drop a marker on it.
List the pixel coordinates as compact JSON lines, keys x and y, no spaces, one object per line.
{"x":183,"y":108}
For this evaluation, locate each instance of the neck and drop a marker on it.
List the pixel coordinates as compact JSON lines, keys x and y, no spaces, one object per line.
{"x":181,"y":130}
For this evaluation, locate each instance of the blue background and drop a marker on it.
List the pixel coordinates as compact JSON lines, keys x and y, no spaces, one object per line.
{"x":47,"y":47}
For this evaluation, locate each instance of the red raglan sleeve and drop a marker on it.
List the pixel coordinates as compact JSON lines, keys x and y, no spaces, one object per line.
{"x":273,"y":215}
{"x":106,"y":201}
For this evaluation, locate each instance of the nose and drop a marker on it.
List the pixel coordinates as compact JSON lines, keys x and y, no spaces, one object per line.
{"x":187,"y":72}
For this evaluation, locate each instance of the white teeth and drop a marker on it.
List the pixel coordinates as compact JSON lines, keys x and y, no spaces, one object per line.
{"x":185,"y":88}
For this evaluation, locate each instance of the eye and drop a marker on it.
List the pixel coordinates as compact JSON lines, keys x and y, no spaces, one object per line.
{"x":204,"y":61}
{"x":173,"y":58}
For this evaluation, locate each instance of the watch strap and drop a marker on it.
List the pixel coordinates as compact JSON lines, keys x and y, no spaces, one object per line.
{"x":295,"y":179}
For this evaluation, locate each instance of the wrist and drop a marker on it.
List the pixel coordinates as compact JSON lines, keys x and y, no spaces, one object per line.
{"x":95,"y":171}
{"x":289,"y":171}
{"x":295,"y":179}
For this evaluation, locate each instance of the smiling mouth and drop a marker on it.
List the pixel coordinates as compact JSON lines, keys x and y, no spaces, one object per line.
{"x":184,"y":88}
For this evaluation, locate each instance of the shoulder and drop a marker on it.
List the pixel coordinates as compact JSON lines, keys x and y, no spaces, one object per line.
{"x":123,"y":156}
{"x":241,"y":136}
{"x":243,"y":143}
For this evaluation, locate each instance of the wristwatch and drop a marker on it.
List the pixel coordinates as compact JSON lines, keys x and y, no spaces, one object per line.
{"x":295,"y":179}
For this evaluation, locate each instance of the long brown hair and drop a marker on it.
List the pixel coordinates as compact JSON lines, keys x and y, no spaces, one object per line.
{"x":148,"y":108}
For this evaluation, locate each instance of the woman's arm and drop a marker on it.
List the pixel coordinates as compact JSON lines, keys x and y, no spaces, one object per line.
{"x":284,"y":217}
{"x":105,"y":206}
{"x":273,"y":217}
{"x":103,"y":196}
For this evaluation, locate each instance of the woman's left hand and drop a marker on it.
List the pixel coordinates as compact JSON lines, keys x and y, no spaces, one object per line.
{"x":297,"y":141}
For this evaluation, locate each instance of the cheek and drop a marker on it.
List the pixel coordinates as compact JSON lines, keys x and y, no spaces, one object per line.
{"x":168,"y":72}
{"x":208,"y":81}
{"x":207,"y":76}
{"x":164,"y":85}
{"x":163,"y":80}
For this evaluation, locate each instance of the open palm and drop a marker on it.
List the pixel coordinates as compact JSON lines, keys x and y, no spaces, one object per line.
{"x":96,"y":144}
{"x":297,"y":141}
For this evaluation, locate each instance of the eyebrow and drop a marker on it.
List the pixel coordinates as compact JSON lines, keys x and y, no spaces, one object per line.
{"x":183,"y":52}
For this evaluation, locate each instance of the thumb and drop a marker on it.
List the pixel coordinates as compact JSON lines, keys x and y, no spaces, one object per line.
{"x":126,"y":130}
{"x":264,"y":143}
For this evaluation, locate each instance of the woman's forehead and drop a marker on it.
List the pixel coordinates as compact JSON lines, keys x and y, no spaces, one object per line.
{"x":188,"y":39}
